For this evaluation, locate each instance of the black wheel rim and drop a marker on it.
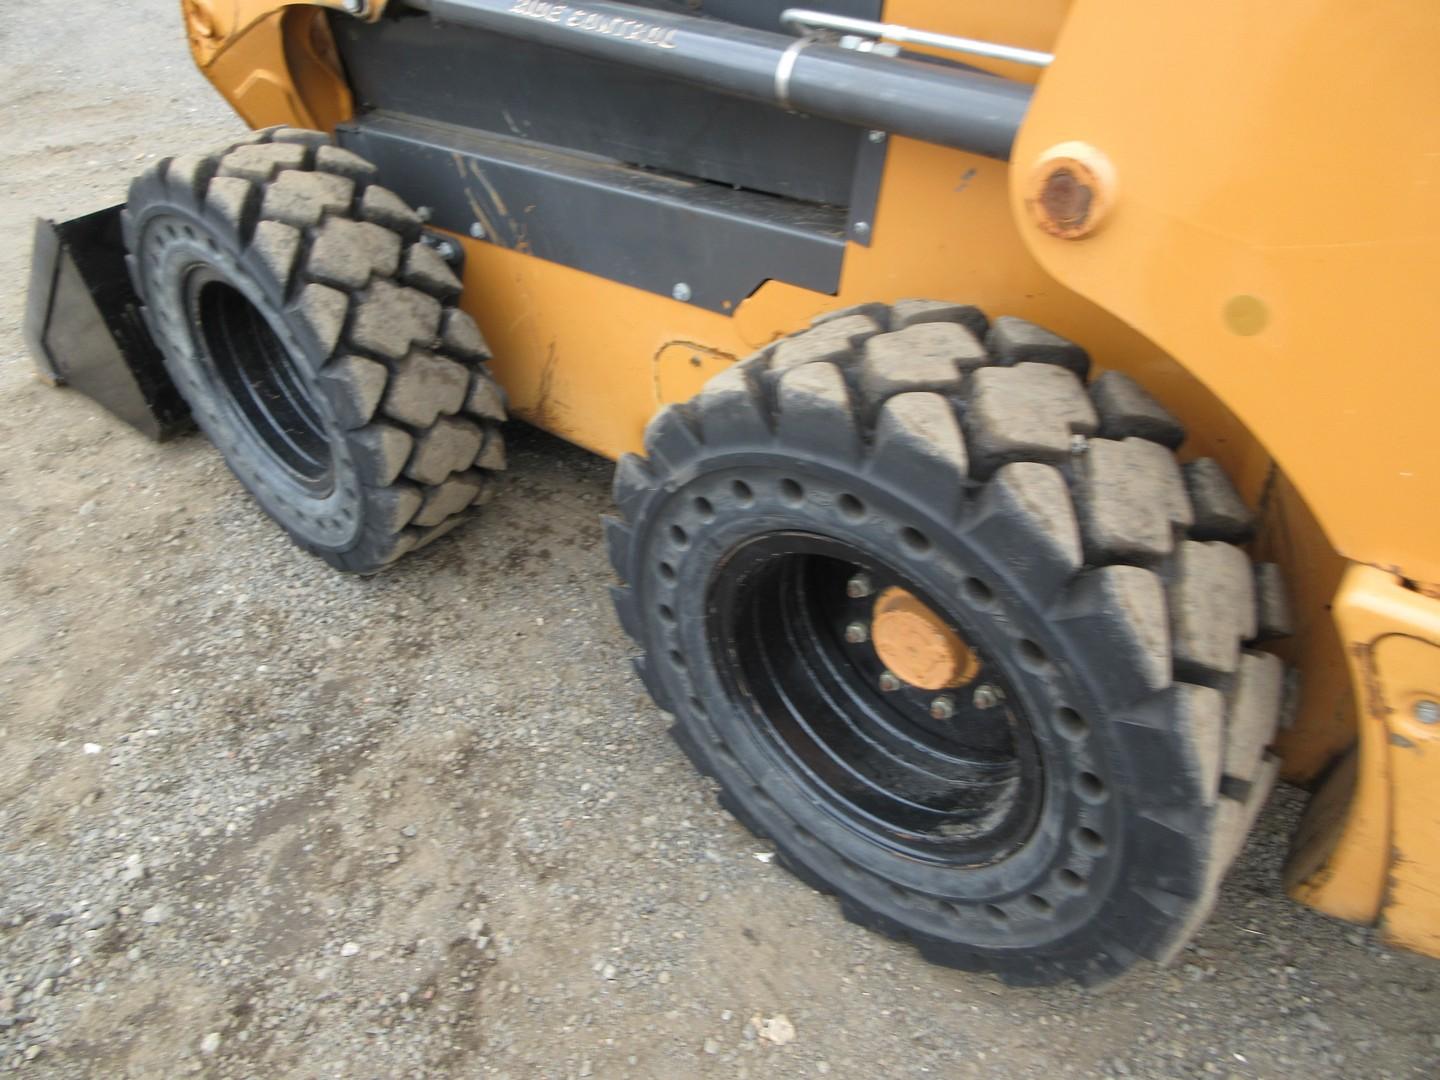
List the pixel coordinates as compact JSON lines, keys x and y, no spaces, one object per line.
{"x":271,"y":394}
{"x":958,"y":789}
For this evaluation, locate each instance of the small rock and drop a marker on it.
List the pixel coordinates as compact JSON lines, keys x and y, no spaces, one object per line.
{"x":134,"y":870}
{"x":712,"y":1045}
{"x":777,"y":1029}
{"x":32,"y":1051}
{"x":210,"y":1043}
{"x":92,"y":748}
{"x":155,"y":915}
{"x":409,"y":832}
{"x":349,"y":949}
{"x":608,"y":971}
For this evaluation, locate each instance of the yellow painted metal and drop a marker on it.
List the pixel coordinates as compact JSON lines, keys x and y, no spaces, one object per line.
{"x":1370,"y":849}
{"x":1272,"y":225}
{"x":1277,"y":227}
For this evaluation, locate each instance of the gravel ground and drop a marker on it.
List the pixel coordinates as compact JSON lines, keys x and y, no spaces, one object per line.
{"x":258,"y":819}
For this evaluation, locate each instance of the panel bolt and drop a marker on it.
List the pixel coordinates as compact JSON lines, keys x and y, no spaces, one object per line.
{"x":423,"y":213}
{"x":861,"y":229}
{"x":888,"y":682}
{"x":681,"y":292}
{"x":859,"y":587}
{"x":986,"y":696}
{"x":445,"y":250}
{"x":943,"y":707}
{"x":355,"y":7}
{"x":857,"y":633}
{"x":877,"y":136}
{"x":1427,"y":712}
{"x":477,"y":231}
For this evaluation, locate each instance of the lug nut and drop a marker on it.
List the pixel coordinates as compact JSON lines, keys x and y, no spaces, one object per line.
{"x":888,"y":682}
{"x":859,"y":586}
{"x":943,"y":707}
{"x":857,"y":633}
{"x":1427,"y":712}
{"x":986,"y":696}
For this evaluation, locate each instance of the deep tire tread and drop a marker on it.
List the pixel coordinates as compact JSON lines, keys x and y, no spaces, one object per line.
{"x":345,"y":254}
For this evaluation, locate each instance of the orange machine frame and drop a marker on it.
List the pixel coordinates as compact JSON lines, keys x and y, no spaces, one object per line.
{"x":1271,"y":219}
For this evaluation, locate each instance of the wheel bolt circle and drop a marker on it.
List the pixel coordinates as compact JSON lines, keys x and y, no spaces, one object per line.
{"x":889,"y":682}
{"x":857,"y":633}
{"x":943,"y":707}
{"x":859,"y":586}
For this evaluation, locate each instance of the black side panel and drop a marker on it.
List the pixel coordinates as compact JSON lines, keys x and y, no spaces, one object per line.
{"x":472,"y":79}
{"x":709,"y":244}
{"x":84,"y":327}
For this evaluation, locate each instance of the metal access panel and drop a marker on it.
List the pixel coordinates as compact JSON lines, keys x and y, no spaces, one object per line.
{"x":411,"y":65}
{"x":709,"y":244}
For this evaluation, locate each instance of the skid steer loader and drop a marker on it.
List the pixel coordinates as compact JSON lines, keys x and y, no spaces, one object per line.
{"x":1023,"y":412}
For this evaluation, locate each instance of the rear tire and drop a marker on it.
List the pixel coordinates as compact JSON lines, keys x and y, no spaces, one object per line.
{"x":1051,"y":529}
{"x":318,"y":342}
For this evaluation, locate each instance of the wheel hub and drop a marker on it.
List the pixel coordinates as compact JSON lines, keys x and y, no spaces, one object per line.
{"x":917,"y":645}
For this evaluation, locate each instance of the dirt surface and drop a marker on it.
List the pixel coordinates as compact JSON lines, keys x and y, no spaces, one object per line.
{"x":259,"y":819}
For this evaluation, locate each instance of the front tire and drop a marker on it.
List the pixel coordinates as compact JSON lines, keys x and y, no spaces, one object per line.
{"x":318,"y":342}
{"x":1056,"y":788}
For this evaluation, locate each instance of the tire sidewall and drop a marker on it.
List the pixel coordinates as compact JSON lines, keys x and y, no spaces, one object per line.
{"x":331,"y":522}
{"x":948,"y":902}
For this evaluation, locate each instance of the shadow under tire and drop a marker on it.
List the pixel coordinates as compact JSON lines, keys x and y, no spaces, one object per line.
{"x":1063,"y":800}
{"x":318,"y":342}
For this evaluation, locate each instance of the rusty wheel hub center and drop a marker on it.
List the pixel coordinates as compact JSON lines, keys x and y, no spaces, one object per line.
{"x":917,"y":646}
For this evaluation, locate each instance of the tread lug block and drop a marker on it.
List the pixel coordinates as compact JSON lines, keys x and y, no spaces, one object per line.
{"x":1274,"y":617}
{"x":731,"y":403}
{"x":355,"y":385}
{"x":261,"y":163}
{"x":492,"y":455}
{"x":322,"y":312}
{"x":628,"y":612}
{"x":1212,"y":608}
{"x":393,"y":507}
{"x":299,"y":136}
{"x":426,"y":270}
{"x":275,"y":251}
{"x":633,"y":485}
{"x":918,"y":443}
{"x":430,"y":535}
{"x":1220,"y":513}
{"x":383,"y":451}
{"x":1177,"y":745}
{"x":391,"y":319}
{"x":1172,"y":846}
{"x":254,"y":138}
{"x":830,"y":341}
{"x":423,"y":386}
{"x":878,"y":313}
{"x":189,"y":175}
{"x":1131,"y":500}
{"x":449,"y":446}
{"x":670,"y":437}
{"x":927,"y":356}
{"x":485,"y":397}
{"x":1254,"y":714}
{"x":618,"y":537}
{"x":815,"y":411}
{"x":347,"y":253}
{"x":1115,"y":615}
{"x":1018,"y":341}
{"x":342,"y":162}
{"x":449,"y":498}
{"x":401,"y":544}
{"x":384,"y":207}
{"x":1025,"y":512}
{"x":235,"y":202}
{"x":1026,"y":412}
{"x":1127,"y":410}
{"x":914,"y":312}
{"x":303,"y":199}
{"x":459,"y":336}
